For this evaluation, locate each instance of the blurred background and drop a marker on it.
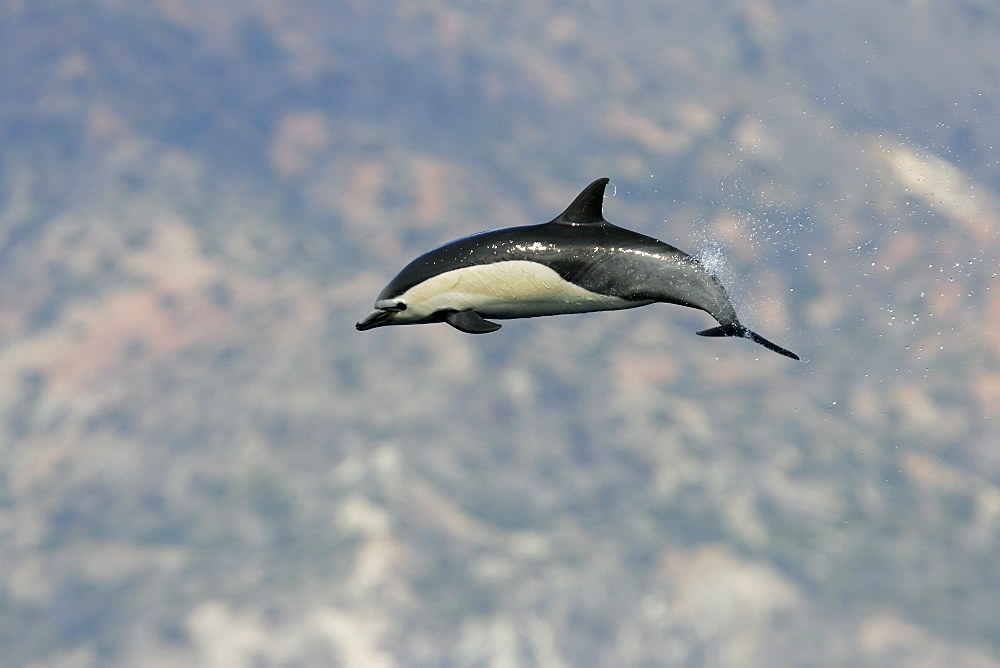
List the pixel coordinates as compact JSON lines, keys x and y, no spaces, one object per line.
{"x":203,"y":463}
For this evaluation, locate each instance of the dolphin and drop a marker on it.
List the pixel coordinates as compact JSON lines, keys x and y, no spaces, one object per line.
{"x":576,"y":263}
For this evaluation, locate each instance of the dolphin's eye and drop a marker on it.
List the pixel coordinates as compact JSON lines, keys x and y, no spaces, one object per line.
{"x":399,"y":306}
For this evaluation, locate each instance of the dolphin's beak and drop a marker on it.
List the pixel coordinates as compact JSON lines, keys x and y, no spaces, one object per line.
{"x":374,"y":319}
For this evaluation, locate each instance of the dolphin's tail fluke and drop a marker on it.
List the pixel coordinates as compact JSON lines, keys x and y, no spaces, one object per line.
{"x":743,"y":332}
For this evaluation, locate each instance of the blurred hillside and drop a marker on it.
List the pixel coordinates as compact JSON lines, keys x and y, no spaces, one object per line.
{"x":203,"y":463}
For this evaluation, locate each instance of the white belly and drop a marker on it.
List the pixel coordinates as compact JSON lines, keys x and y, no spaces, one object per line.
{"x":515,"y":289}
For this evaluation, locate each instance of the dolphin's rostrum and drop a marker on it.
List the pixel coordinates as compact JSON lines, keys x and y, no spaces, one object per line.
{"x":576,"y":263}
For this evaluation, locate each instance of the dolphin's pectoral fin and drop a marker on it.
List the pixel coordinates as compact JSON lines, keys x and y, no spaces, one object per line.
{"x":469,"y":322}
{"x":741,"y":331}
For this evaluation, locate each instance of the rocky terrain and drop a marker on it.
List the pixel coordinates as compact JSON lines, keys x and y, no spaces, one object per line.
{"x":203,"y":463}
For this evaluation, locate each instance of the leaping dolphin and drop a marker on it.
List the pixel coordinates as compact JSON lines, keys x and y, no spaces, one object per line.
{"x":576,"y":263}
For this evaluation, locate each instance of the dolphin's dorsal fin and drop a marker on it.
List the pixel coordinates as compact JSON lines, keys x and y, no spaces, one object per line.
{"x":587,"y":208}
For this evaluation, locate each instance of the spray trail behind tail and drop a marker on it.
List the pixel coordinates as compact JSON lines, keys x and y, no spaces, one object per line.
{"x":743,"y":332}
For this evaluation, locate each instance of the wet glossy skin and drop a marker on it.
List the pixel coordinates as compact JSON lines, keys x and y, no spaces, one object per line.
{"x":602,"y":258}
{"x":576,"y":263}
